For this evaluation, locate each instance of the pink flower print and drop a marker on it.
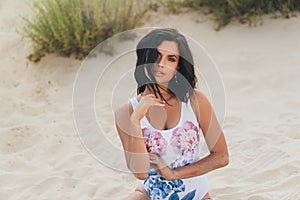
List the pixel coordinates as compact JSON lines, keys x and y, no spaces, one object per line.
{"x":154,"y":141}
{"x":146,"y":132}
{"x":175,"y":139}
{"x":185,"y":139}
{"x":188,"y":125}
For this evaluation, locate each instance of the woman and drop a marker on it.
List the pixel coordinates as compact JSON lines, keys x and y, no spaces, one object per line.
{"x":160,"y":127}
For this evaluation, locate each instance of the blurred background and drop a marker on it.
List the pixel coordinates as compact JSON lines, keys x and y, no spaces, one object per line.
{"x":254,"y":45}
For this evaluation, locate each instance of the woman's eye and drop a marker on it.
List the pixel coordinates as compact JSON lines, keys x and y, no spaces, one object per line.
{"x":172,"y":59}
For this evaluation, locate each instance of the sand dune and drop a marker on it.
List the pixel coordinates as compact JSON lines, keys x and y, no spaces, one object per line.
{"x":41,"y":154}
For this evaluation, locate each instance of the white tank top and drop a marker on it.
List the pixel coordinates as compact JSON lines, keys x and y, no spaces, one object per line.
{"x":178,"y":146}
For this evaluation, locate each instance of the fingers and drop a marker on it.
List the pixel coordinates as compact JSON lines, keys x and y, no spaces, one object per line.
{"x":156,"y":160}
{"x":153,"y":158}
{"x":150,"y":99}
{"x":144,"y":104}
{"x":154,"y":103}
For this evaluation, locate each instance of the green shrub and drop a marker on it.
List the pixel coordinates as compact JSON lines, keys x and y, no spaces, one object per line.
{"x":172,"y":5}
{"x":77,"y":26}
{"x":246,"y":11}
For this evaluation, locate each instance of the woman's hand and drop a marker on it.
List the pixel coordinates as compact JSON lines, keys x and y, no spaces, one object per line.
{"x":143,"y":106}
{"x":161,"y":167}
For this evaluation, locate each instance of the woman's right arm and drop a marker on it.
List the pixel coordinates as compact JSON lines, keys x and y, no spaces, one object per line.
{"x":130,"y":133}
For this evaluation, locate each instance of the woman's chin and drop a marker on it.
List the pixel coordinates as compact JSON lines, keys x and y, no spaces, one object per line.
{"x":162,"y":83}
{"x":161,"y":80}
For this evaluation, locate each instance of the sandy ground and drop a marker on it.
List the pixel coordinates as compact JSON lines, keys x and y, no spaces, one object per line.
{"x":42,"y":157}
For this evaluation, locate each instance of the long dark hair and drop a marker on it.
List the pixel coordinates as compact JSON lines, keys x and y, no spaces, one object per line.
{"x":147,"y":55}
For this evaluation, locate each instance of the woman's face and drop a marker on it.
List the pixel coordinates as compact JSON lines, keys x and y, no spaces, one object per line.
{"x":167,"y":62}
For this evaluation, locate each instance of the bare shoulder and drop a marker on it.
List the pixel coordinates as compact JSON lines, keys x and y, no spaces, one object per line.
{"x":200,"y":96}
{"x":200,"y":103}
{"x":123,"y":112}
{"x":122,"y":120}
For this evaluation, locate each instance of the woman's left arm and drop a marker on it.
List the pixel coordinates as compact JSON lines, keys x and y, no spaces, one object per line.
{"x":215,"y":141}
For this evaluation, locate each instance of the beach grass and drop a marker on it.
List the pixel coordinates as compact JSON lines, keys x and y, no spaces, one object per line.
{"x":77,"y":26}
{"x":245,"y":11}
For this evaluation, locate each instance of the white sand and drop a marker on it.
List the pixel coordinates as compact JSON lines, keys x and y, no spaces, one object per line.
{"x":41,"y":156}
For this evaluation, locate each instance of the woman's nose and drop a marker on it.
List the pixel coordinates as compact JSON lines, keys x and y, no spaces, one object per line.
{"x":162,"y":62}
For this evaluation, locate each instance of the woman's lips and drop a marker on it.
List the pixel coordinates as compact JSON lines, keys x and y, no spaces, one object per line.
{"x":158,"y":73}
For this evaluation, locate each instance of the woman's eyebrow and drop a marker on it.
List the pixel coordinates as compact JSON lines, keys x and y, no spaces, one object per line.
{"x":171,"y":55}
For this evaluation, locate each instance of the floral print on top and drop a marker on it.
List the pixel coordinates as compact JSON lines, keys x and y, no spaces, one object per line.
{"x":185,"y":142}
{"x":155,"y":142}
{"x":178,"y":147}
{"x":185,"y":139}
